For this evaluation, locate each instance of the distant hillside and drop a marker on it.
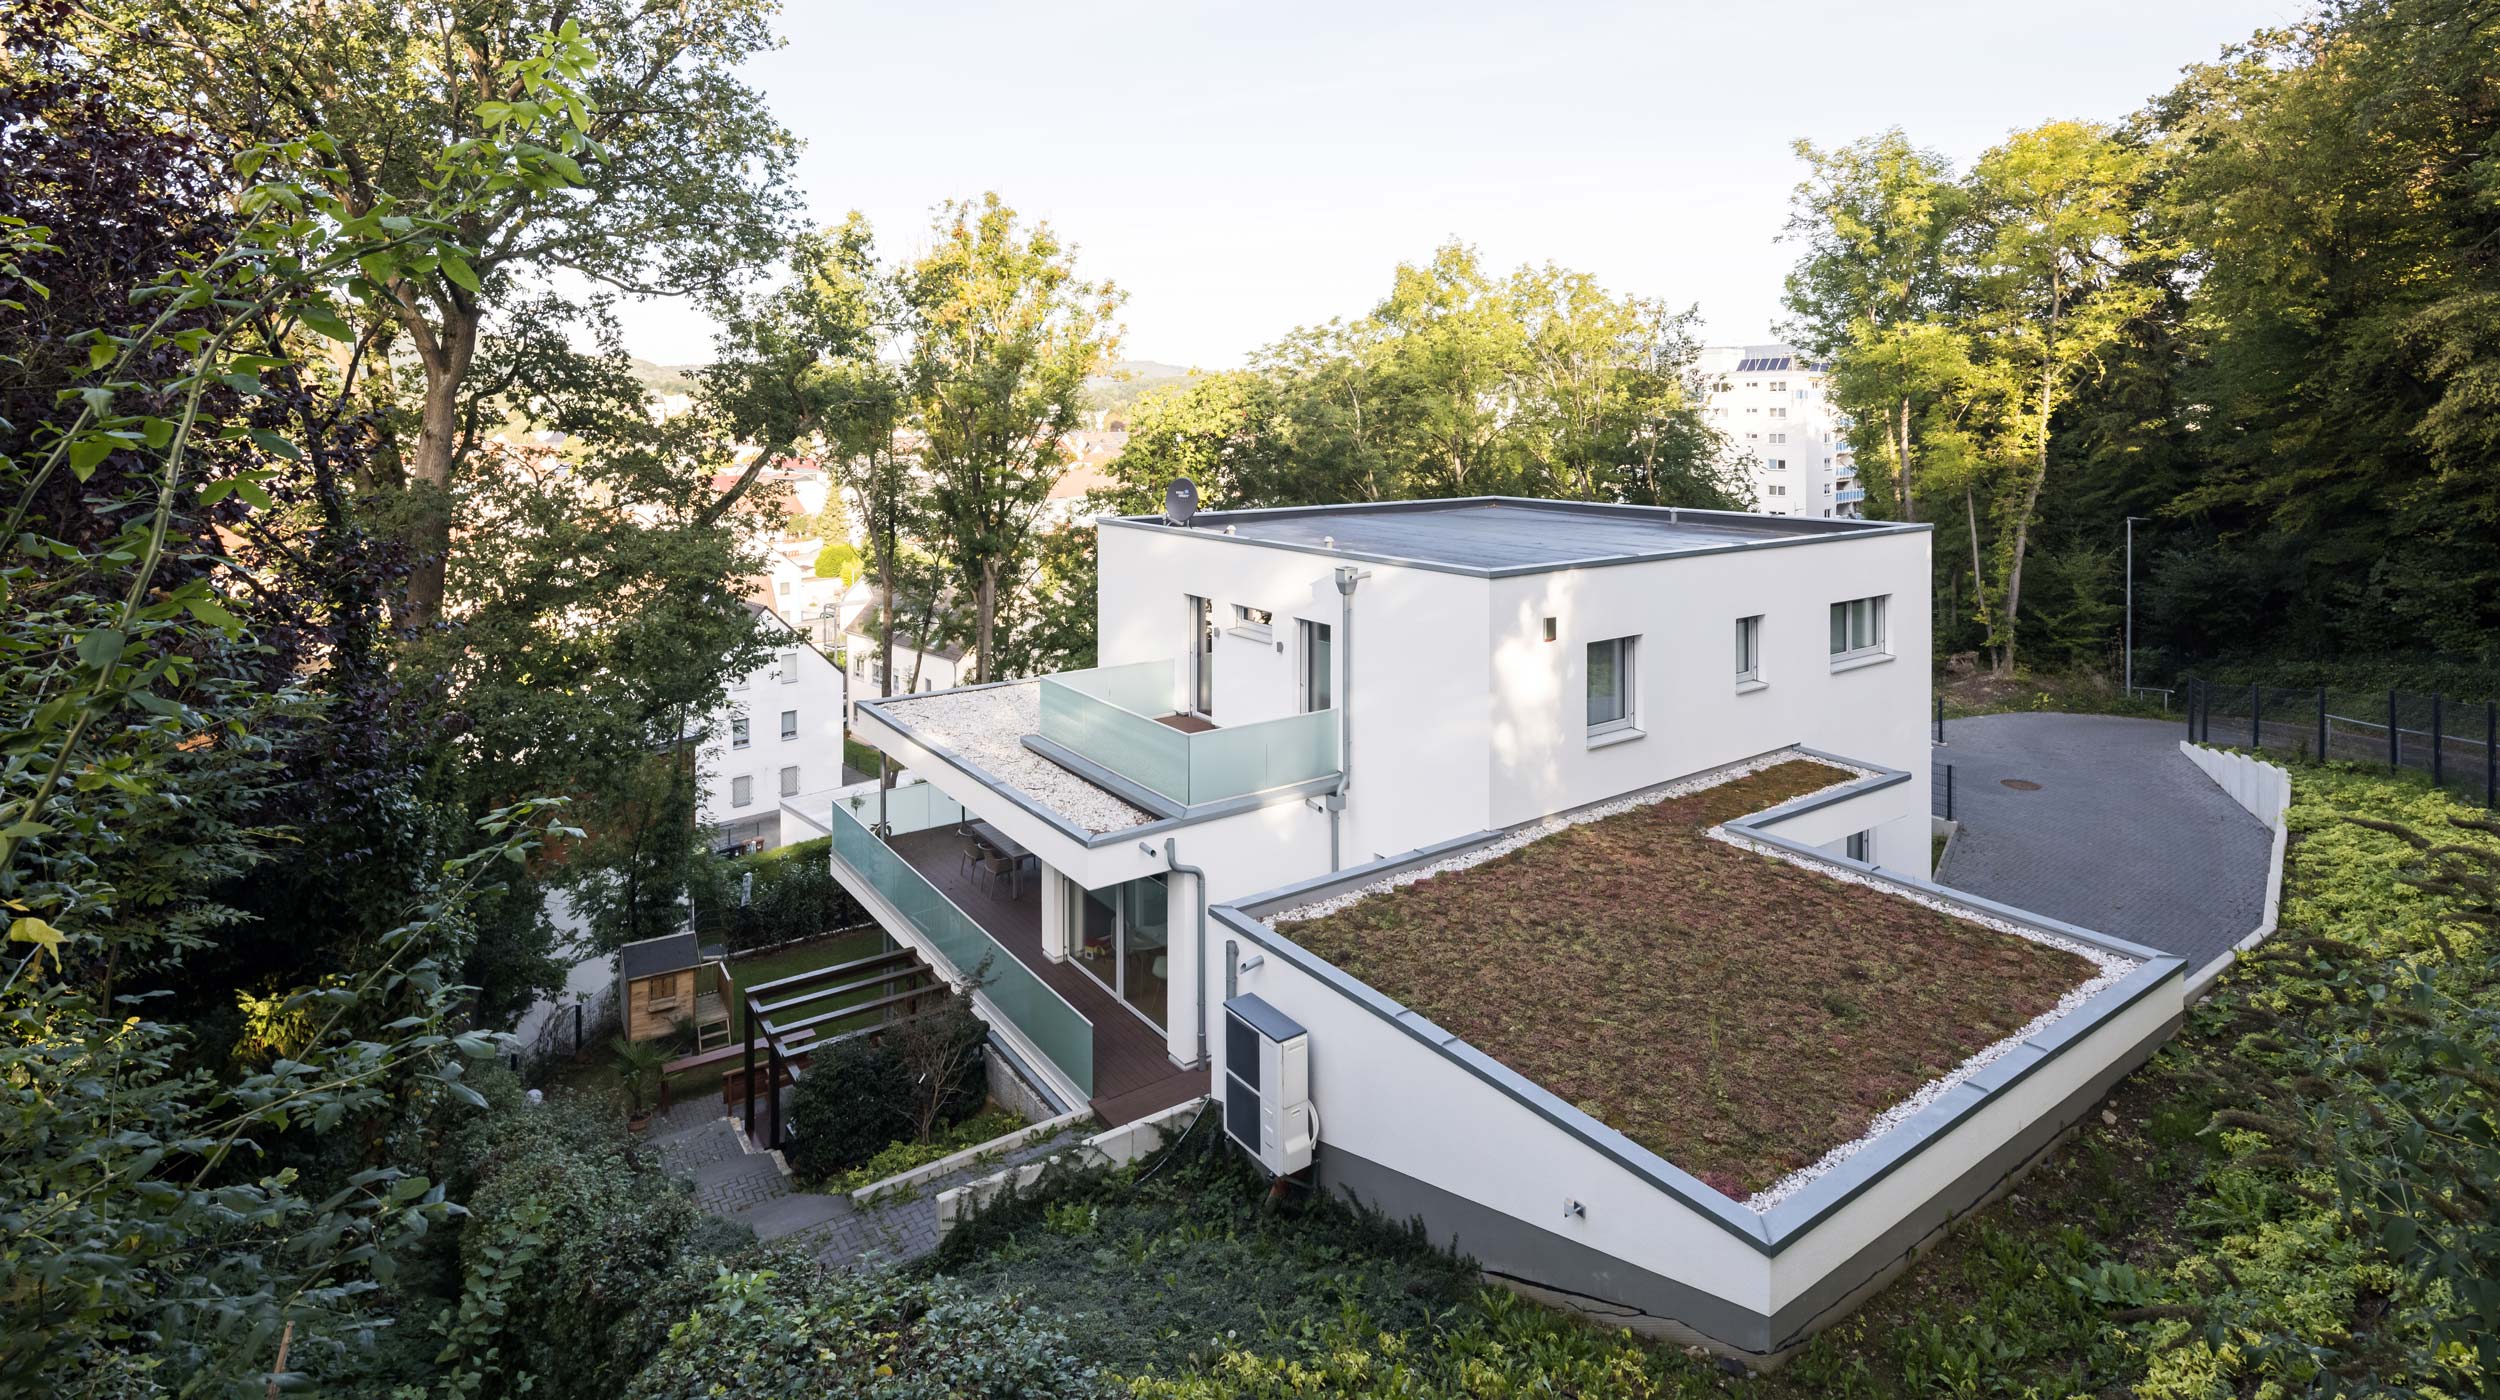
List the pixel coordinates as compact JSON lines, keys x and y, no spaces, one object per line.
{"x":665,"y":379}
{"x":1129,"y":380}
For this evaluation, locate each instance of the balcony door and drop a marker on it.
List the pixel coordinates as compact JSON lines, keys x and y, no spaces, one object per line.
{"x":1123,"y":942}
{"x":1200,"y":618}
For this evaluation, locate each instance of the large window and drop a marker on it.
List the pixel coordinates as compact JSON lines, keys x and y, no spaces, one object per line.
{"x":1121,"y":937}
{"x":1749,"y":648}
{"x":739,"y":737}
{"x":1610,"y":684}
{"x":742,"y":792}
{"x":789,"y":724}
{"x":1858,"y":628}
{"x":788,"y":661}
{"x":1318,"y":667}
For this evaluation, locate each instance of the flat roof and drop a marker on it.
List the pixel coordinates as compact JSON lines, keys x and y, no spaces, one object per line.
{"x":1500,"y":536}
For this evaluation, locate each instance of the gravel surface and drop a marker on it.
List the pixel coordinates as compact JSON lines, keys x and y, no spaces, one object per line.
{"x":986,"y":728}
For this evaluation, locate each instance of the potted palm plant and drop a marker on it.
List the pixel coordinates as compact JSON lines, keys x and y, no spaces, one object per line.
{"x":638,"y":1065}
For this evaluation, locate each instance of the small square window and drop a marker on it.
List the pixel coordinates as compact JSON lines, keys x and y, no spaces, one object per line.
{"x":1610,"y":684}
{"x":789,"y":724}
{"x":790,"y":781}
{"x":1749,"y":648}
{"x":1858,"y":628}
{"x":1862,"y":846}
{"x":742,"y":792}
{"x":739,"y":737}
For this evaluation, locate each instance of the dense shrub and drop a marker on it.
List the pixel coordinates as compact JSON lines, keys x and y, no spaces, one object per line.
{"x":574,"y":1256}
{"x":793,"y":896}
{"x":854,"y":1099}
{"x":1169,"y":1264}
{"x":800,"y":1334}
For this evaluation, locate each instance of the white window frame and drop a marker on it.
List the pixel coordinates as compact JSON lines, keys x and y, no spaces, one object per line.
{"x":742,"y":791}
{"x":1859,"y":629}
{"x":741,"y":732}
{"x":789,"y":725}
{"x":1253,"y":624}
{"x":1749,"y":650}
{"x":790,"y":666}
{"x":1627,"y":651}
{"x":790,"y":781}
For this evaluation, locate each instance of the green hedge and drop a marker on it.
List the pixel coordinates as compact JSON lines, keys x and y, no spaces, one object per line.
{"x":801,"y":1334}
{"x":794,"y":896}
{"x":575,"y":1253}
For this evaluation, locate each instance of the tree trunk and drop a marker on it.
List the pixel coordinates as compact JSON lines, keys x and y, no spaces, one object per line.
{"x":1978,"y":572}
{"x":986,"y":616}
{"x":1901,"y":463}
{"x":446,"y":362}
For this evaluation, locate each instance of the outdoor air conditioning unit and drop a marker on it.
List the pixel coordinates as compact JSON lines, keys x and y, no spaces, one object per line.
{"x":1267,"y":1085}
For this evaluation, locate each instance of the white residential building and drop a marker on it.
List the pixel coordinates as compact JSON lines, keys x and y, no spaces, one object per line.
{"x":1298,"y":705}
{"x":1782,"y":428}
{"x":919,"y":667}
{"x":779,"y":737}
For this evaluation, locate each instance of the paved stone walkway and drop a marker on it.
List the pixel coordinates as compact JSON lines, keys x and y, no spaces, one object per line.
{"x":2123,"y":835}
{"x":698,"y":1143}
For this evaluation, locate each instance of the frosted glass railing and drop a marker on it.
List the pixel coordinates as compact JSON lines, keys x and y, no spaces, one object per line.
{"x":1108,"y":716}
{"x":909,"y":807}
{"x":1057,"y":1029}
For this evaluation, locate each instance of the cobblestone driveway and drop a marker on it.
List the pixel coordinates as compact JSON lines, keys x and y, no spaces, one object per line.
{"x":2123,"y":834}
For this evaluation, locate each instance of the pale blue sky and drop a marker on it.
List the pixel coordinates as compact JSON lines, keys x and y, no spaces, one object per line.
{"x":1242,"y":169}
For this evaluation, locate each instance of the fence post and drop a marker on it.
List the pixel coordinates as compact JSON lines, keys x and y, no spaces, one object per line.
{"x":750,"y":1079}
{"x":1939,"y":719}
{"x":2187,"y":702}
{"x":1948,"y":792}
{"x":2491,"y":754}
{"x":577,"y":1028}
{"x":2439,"y":767}
{"x":2256,"y":727}
{"x":2395,"y":741}
{"x":2321,"y":724}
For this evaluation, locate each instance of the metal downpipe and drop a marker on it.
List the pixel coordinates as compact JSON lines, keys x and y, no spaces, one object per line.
{"x":1172,"y":862}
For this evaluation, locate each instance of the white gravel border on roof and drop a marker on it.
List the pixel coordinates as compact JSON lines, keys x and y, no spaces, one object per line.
{"x":986,"y":726}
{"x":1504,"y":845}
{"x":2112,"y":969}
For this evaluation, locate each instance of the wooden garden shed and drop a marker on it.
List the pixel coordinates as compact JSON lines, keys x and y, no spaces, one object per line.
{"x":660,"y":978}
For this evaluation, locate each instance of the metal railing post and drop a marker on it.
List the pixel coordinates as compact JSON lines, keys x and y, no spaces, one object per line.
{"x":1939,"y":719}
{"x":750,"y":1079}
{"x":2321,"y":724}
{"x":1948,"y":792}
{"x":2256,"y":726}
{"x":2395,"y":741}
{"x":2187,"y":702}
{"x":2439,"y":766}
{"x":773,"y":1073}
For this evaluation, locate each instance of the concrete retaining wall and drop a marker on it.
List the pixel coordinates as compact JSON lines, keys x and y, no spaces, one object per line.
{"x":2265,"y":790}
{"x":1115,"y":1148}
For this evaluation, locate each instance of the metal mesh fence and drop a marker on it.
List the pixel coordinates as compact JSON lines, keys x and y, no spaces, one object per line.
{"x":2451,"y":742}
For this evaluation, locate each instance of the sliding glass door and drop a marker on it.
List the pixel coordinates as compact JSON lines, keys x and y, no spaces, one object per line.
{"x":1122,"y":940}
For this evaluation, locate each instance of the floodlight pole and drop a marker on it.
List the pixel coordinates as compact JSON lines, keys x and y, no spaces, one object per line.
{"x":2128,"y":665}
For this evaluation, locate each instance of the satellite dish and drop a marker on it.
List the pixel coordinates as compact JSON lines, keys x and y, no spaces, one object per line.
{"x":1180,"y":501}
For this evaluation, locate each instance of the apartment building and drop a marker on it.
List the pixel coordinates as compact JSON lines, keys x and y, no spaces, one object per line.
{"x":1783,"y":430}
{"x":779,"y":737}
{"x":1300,"y":710}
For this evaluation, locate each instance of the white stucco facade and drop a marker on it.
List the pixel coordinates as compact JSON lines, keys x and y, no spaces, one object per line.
{"x":780,"y":734}
{"x":1789,"y":439}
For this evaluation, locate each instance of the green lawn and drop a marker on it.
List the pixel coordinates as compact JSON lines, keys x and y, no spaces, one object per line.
{"x":803,"y":957}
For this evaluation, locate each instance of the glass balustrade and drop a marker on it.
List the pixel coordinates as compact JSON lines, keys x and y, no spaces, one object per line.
{"x":1109,"y":716}
{"x":1058,"y":1030}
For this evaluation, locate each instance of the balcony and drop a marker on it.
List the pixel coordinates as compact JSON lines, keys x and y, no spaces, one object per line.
{"x":1130,"y":721}
{"x":922,"y":870}
{"x":1851,"y":494}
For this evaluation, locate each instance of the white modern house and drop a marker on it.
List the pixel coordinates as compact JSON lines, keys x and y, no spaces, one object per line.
{"x":1775,"y":406}
{"x":1301,"y":709}
{"x":779,"y":736}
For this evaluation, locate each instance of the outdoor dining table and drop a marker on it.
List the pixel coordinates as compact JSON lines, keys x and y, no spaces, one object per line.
{"x":1007,"y":846}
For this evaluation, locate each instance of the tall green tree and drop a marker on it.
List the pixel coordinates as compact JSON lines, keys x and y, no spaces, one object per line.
{"x":677,"y":182}
{"x":1877,"y":218}
{"x":1005,"y":334}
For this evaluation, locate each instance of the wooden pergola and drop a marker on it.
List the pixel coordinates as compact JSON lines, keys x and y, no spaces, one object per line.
{"x":904,"y":987}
